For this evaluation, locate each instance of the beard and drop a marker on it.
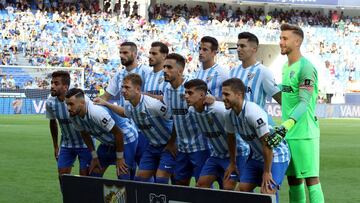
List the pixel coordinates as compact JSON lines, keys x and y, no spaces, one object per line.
{"x":127,"y":62}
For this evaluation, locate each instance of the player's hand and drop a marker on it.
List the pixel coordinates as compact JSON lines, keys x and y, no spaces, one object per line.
{"x":268,"y":185}
{"x":230,"y":169}
{"x":121,"y":167}
{"x":275,"y":138}
{"x":56,"y":153}
{"x":209,"y":99}
{"x":100,"y":101}
{"x":95,"y":166}
{"x":171,"y":147}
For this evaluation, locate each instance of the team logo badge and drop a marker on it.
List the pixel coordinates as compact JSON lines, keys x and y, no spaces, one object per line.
{"x":160,"y":80}
{"x":250,"y":76}
{"x":292,"y":73}
{"x":114,"y":194}
{"x":210,"y":120}
{"x":157,"y":198}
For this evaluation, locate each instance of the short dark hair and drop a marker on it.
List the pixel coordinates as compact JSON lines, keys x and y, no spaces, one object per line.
{"x":235,"y":84}
{"x":132,"y":45}
{"x":295,"y":29}
{"x":78,"y":93}
{"x":64,"y":75}
{"x":213,"y":41}
{"x":163,"y":48}
{"x":180,"y":60}
{"x":197,"y":83}
{"x":134,"y":78}
{"x":249,"y":36}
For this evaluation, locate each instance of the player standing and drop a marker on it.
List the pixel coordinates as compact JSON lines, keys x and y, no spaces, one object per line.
{"x":191,"y":149}
{"x":71,"y":143}
{"x":266,"y":167}
{"x":150,"y":116}
{"x":299,"y":123}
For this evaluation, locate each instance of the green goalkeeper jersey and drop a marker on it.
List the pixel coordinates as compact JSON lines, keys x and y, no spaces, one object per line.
{"x":299,"y":95}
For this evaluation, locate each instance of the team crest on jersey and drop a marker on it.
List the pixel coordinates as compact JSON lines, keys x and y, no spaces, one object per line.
{"x":208,"y":79}
{"x":292,"y":73}
{"x":160,"y":80}
{"x":182,"y":96}
{"x":210,"y":120}
{"x":250,"y":76}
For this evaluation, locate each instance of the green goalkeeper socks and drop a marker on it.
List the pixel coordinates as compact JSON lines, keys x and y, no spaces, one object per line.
{"x":315,"y":194}
{"x":297,"y":193}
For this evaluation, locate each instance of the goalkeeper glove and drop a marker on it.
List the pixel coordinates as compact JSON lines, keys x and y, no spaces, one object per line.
{"x":275,"y":138}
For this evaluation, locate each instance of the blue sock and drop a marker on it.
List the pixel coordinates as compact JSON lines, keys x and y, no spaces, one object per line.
{"x":141,"y":179}
{"x":124,"y":177}
{"x":162,"y":180}
{"x":96,"y":174}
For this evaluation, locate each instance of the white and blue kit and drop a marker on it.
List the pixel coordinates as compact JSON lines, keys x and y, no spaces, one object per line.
{"x":251,"y":124}
{"x":211,"y":122}
{"x":192,"y":145}
{"x":71,"y":143}
{"x":114,"y":89}
{"x":214,"y":77}
{"x":155,"y":83}
{"x":150,"y":116}
{"x":99,"y":121}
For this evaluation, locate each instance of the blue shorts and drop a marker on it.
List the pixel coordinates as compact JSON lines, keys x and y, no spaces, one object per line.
{"x":67,"y":157}
{"x":107,"y":154}
{"x":253,"y":172}
{"x":157,"y":158}
{"x":190,"y":164}
{"x":240,"y":164}
{"x":142,"y":145}
{"x":216,"y":167}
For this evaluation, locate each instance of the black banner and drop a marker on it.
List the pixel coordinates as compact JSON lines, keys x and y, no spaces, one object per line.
{"x":90,"y":189}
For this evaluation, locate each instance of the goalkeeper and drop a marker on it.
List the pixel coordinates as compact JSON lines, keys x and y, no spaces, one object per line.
{"x":300,"y":127}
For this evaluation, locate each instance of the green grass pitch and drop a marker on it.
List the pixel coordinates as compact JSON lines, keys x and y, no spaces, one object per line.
{"x":28,"y":171}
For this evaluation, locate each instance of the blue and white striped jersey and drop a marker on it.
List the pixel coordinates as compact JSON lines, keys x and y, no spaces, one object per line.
{"x":259,"y":82}
{"x":114,"y":87}
{"x":189,"y":137}
{"x":214,"y":77}
{"x":56,"y":109}
{"x":99,"y":121}
{"x":252,"y":124}
{"x":212,"y":124}
{"x":155,"y":83}
{"x":150,"y":116}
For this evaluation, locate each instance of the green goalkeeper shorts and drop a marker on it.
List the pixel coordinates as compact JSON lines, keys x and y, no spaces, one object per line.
{"x":305,"y":158}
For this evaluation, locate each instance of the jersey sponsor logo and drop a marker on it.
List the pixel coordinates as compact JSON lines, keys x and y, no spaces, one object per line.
{"x":260,"y":123}
{"x":161,"y":80}
{"x":179,"y":111}
{"x":287,"y":89}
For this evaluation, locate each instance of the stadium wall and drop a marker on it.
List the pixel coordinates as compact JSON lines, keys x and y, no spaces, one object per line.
{"x":37,"y":106}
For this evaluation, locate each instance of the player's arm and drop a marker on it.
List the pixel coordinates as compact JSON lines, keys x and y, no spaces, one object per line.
{"x":171,"y":145}
{"x":231,"y":141}
{"x":95,"y":163}
{"x":54,"y":135}
{"x":115,"y":108}
{"x":270,"y":86}
{"x":267,"y":185}
{"x":119,"y":144}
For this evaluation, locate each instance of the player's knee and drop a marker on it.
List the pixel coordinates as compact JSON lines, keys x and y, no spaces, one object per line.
{"x":84,"y":172}
{"x":229,"y":185}
{"x":292,"y":180}
{"x":246,"y":187}
{"x":182,"y":182}
{"x":312,"y":181}
{"x":64,"y":171}
{"x":203,"y":183}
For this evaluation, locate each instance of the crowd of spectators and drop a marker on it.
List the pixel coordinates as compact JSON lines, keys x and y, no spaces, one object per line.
{"x":75,"y":36}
